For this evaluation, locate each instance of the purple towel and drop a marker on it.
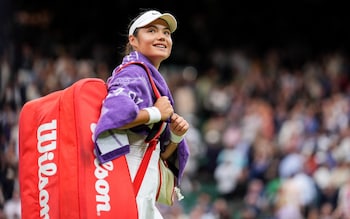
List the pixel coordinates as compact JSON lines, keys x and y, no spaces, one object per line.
{"x":129,"y":90}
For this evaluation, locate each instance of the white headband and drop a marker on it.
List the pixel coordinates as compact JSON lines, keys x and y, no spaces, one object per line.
{"x":150,"y":16}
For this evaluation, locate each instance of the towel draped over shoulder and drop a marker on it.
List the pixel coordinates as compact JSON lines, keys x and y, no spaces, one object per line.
{"x":129,"y":90}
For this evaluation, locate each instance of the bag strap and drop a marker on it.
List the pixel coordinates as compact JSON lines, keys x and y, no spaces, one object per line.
{"x":143,"y":166}
{"x":142,"y":64}
{"x":152,"y":138}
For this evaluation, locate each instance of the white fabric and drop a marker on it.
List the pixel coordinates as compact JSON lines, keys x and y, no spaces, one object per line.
{"x":176,"y":138}
{"x":146,"y":198}
{"x":112,"y":141}
{"x":154,"y":115}
{"x":150,"y":16}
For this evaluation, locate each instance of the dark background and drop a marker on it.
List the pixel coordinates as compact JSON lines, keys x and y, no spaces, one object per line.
{"x":312,"y":26}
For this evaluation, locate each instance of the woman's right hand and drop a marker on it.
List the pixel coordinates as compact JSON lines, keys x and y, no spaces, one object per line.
{"x":165,"y":107}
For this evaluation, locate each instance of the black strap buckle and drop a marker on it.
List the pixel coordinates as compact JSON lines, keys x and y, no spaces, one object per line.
{"x":155,"y":131}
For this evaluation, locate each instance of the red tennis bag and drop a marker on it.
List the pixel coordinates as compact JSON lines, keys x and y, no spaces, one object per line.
{"x":59,"y":174}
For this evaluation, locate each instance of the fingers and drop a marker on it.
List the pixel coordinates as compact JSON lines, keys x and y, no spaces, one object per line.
{"x":178,"y":124}
{"x":164,"y":105}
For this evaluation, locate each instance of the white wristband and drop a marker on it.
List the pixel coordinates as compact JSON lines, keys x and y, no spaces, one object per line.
{"x":176,"y":138}
{"x":154,"y":115}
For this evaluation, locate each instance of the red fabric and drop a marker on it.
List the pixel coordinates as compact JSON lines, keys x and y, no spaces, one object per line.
{"x":58,"y":171}
{"x":143,"y":166}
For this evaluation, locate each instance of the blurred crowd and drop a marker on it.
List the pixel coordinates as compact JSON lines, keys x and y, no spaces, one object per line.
{"x":273,"y":137}
{"x":270,"y":131}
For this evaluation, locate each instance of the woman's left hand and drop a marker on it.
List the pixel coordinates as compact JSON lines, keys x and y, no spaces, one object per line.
{"x":178,"y":128}
{"x":178,"y":125}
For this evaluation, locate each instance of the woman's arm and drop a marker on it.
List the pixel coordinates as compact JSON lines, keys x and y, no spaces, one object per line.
{"x":178,"y":128}
{"x":164,"y":107}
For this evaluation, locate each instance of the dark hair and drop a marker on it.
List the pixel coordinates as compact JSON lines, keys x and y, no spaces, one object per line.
{"x":128,"y":48}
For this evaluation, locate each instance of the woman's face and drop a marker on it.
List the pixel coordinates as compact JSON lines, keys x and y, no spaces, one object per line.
{"x":154,"y":41}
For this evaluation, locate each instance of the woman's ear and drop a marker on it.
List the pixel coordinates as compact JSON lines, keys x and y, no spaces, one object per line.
{"x":133,"y":41}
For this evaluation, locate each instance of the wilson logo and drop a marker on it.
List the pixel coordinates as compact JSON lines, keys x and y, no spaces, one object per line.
{"x":47,"y":136}
{"x":101,"y":185}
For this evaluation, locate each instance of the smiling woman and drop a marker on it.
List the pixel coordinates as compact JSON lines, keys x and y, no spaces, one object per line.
{"x":138,"y":119}
{"x":142,"y":36}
